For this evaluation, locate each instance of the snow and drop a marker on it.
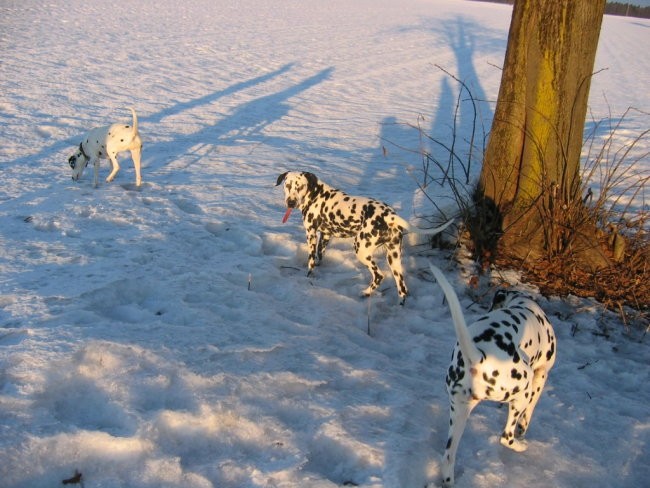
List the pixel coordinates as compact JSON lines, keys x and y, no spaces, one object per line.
{"x":168,"y":336}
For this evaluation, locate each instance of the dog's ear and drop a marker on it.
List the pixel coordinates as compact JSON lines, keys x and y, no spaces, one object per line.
{"x":499,"y":299}
{"x":281,"y":178}
{"x":312,"y":180}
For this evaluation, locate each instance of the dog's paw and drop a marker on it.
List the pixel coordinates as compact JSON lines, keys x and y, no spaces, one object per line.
{"x":517,"y":445}
{"x":367,"y":292}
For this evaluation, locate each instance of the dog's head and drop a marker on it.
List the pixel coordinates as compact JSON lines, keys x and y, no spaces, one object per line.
{"x":78,"y":162}
{"x":504,"y":298}
{"x":297,"y":186}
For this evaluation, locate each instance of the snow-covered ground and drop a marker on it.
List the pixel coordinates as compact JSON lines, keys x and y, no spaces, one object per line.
{"x":168,"y":336}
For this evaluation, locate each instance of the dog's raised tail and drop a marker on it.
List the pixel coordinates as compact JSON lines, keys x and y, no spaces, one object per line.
{"x":134,"y":127}
{"x":467,"y":347}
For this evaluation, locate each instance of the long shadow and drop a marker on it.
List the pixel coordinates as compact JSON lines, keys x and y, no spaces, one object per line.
{"x":464,"y":113}
{"x":73,"y":141}
{"x":212,"y":97}
{"x":455,"y":137}
{"x":459,"y":126}
{"x":244,"y":126}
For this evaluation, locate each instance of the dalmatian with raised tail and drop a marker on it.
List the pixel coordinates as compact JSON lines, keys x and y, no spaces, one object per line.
{"x":504,"y":356}
{"x":106,"y":143}
{"x":328,"y":212}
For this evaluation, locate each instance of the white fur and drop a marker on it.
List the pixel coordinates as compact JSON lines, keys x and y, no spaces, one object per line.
{"x":106,"y":143}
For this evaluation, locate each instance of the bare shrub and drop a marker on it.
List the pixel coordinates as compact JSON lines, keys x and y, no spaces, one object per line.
{"x":612,"y":215}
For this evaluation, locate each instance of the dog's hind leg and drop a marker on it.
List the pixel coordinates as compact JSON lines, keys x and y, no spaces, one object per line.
{"x":135,"y":155}
{"x":516,"y":409}
{"x":458,"y":415}
{"x":364,"y":254}
{"x":394,"y":258}
{"x":539,"y":380}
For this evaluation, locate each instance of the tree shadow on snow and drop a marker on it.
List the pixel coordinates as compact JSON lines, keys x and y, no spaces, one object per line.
{"x":459,"y":123}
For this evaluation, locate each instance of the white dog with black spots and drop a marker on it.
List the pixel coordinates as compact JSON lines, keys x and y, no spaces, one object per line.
{"x":106,"y":143}
{"x":328,"y":212}
{"x":504,"y":356}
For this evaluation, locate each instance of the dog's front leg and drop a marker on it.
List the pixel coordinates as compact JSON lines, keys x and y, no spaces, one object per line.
{"x":115,"y":167}
{"x":312,"y":244}
{"x":322,"y":244}
{"x":96,"y":172}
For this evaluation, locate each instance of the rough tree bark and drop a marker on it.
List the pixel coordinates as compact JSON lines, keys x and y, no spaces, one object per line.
{"x":530,"y":178}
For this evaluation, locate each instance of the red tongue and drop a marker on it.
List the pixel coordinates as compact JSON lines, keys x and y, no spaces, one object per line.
{"x":286,"y":215}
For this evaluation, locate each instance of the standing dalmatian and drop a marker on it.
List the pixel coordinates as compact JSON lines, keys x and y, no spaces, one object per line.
{"x":106,"y":143}
{"x":328,"y":212}
{"x":504,"y":356}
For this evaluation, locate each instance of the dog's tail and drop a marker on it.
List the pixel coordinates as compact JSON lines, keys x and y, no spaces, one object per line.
{"x":134,"y":127}
{"x":397,"y":220}
{"x":467,"y":348}
{"x":429,"y":232}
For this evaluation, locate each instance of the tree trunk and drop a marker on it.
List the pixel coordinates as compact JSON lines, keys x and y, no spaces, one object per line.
{"x":531,"y":169}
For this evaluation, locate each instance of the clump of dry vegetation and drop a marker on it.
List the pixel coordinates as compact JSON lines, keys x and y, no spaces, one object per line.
{"x":615,"y":176}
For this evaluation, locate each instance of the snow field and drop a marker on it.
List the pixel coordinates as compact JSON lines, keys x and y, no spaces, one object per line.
{"x":168,"y":336}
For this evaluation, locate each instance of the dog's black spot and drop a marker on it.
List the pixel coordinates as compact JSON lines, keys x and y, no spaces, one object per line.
{"x":550,"y":352}
{"x":489,"y":380}
{"x":486,"y":336}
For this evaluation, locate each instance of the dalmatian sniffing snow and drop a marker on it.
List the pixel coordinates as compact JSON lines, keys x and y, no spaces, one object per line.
{"x":328,"y":212}
{"x":106,"y":143}
{"x":504,"y":356}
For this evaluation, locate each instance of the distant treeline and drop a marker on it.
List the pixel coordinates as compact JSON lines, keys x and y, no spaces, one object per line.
{"x":611,"y":8}
{"x":627,"y":10}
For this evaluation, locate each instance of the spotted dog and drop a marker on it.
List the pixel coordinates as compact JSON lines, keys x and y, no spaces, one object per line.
{"x":328,"y":212}
{"x":106,"y":143}
{"x":504,"y":356}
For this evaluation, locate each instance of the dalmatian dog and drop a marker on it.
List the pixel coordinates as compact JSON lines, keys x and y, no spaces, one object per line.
{"x":106,"y":143}
{"x":504,"y":356}
{"x":328,"y":212}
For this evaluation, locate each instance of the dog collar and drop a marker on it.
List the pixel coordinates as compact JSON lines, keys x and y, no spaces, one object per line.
{"x":81,"y":148}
